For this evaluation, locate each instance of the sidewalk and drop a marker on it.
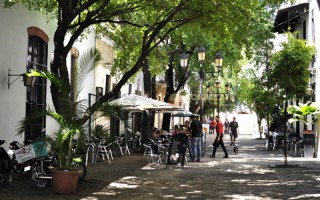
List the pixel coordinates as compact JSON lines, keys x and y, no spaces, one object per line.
{"x":243,"y":176}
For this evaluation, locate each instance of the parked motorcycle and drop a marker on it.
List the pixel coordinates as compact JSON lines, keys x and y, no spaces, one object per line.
{"x":16,"y":166}
{"x":5,"y":165}
{"x":41,"y":173}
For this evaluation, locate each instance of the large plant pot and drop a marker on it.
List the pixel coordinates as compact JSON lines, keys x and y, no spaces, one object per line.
{"x":308,"y":142}
{"x":64,"y":181}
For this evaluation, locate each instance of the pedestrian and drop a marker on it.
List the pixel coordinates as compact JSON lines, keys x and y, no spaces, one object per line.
{"x":212,"y":126}
{"x":196,"y":132}
{"x":219,"y":139}
{"x":186,"y":130}
{"x":226,"y":126}
{"x":234,"y":127}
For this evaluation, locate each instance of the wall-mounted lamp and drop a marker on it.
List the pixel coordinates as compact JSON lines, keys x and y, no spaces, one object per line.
{"x":309,"y":90}
{"x":27,"y":80}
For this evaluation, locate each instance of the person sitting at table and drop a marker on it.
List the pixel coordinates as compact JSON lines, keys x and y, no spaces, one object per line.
{"x":161,"y":133}
{"x":176,"y":130}
{"x":186,"y":127}
{"x":155,"y":134}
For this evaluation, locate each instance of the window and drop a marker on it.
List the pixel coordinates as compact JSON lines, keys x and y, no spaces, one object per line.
{"x":130,"y":88}
{"x":313,"y":27}
{"x":37,"y":56}
{"x":304,"y":30}
{"x":108,"y":79}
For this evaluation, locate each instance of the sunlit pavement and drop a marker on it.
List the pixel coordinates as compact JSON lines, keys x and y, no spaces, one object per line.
{"x":255,"y":173}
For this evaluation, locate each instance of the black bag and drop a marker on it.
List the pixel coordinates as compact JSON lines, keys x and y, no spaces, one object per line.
{"x":216,"y":144}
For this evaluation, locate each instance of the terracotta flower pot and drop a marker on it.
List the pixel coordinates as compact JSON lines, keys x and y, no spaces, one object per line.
{"x":64,"y":181}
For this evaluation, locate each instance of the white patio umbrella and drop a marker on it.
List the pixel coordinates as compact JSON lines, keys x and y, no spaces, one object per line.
{"x":138,"y":103}
{"x":135,"y":103}
{"x":133,"y":100}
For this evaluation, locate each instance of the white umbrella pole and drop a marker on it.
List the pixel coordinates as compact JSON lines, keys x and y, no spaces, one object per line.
{"x":158,"y":120}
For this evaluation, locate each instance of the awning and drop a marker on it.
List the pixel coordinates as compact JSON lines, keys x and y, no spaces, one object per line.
{"x":289,"y":17}
{"x":184,"y":114}
{"x":136,"y":100}
{"x":136,"y":103}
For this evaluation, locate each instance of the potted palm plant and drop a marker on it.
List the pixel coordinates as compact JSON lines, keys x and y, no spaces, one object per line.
{"x":64,"y":174}
{"x":307,"y":113}
{"x":70,"y":126}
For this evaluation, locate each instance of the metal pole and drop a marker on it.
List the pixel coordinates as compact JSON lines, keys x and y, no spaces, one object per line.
{"x":158,"y":121}
{"x":218,"y":102}
{"x":201,"y":107}
{"x":90,"y":120}
{"x":202,"y":78}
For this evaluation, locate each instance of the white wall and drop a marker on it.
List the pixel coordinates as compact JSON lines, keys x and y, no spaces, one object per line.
{"x":13,"y":53}
{"x":314,"y":11}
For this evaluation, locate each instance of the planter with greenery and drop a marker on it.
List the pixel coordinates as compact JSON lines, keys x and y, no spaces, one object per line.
{"x":70,"y":122}
{"x":307,"y":113}
{"x":61,"y":142}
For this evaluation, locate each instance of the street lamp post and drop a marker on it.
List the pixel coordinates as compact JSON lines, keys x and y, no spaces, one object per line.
{"x":201,"y":57}
{"x":184,"y":60}
{"x":218,"y":93}
{"x":218,"y":97}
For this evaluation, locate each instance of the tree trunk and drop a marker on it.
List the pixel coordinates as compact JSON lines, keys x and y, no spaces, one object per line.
{"x":146,"y":123}
{"x":169,"y":94}
{"x":285,"y":118}
{"x":153,"y":96}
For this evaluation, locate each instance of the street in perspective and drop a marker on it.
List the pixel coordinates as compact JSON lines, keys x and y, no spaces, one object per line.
{"x":254,"y":173}
{"x":150,"y":99}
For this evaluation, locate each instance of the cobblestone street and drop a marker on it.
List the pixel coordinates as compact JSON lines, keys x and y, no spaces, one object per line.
{"x":252,"y":174}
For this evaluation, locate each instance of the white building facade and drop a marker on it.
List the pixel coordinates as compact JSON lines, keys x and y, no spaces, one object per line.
{"x":304,"y":17}
{"x":26,"y":39}
{"x":27,"y":42}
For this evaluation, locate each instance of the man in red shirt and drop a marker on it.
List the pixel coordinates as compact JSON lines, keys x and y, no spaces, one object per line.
{"x":219,"y":139}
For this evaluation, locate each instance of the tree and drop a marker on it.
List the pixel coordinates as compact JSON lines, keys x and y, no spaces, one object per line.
{"x":260,"y":101}
{"x":150,"y":21}
{"x":290,"y":74}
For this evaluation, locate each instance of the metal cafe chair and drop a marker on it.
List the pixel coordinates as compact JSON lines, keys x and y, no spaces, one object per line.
{"x":106,"y":151}
{"x":152,"y":158}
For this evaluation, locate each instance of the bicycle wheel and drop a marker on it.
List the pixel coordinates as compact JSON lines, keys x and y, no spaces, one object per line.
{"x":82,"y":167}
{"x":38,"y":183}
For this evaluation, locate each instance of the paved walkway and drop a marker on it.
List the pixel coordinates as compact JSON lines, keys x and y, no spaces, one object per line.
{"x":243,"y":176}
